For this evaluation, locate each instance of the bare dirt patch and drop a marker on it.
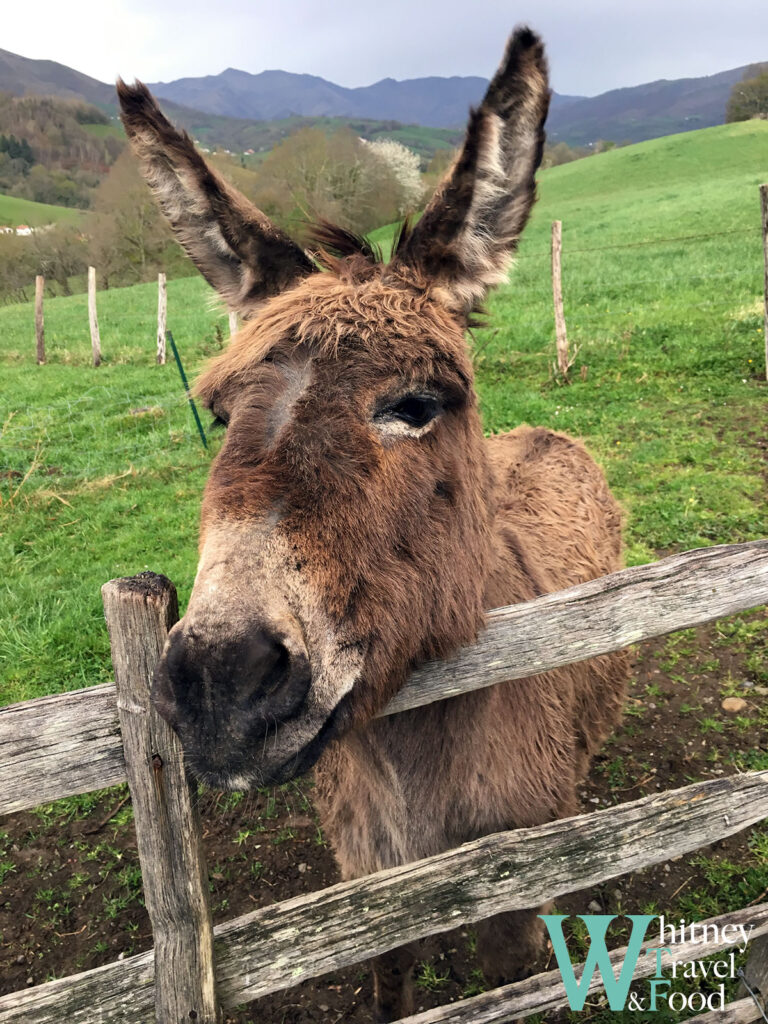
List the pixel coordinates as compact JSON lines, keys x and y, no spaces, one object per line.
{"x":70,"y":892}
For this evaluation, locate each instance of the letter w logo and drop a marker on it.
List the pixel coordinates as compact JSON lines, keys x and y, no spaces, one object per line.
{"x":597,"y":957}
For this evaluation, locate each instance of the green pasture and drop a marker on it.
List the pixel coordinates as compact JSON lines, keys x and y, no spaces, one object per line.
{"x":101,"y":470}
{"x":15,"y":211}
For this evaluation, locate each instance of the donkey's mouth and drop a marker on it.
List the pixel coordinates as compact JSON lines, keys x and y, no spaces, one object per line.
{"x":249,"y":771}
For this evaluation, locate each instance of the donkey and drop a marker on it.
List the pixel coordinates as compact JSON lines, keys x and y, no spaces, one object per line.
{"x":356,"y":522}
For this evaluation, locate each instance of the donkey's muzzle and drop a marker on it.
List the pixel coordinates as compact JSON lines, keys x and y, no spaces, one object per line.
{"x":219,"y":696}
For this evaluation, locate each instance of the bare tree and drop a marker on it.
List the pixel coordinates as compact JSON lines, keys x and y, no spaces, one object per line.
{"x":128,"y":239}
{"x":749,"y":97}
{"x":313,"y":174}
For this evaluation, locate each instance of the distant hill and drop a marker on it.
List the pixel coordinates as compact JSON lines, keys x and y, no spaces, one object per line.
{"x":240,"y":135}
{"x":624,"y":115}
{"x":645,"y":111}
{"x":21,"y":76}
{"x":54,"y":150}
{"x":242,"y":110}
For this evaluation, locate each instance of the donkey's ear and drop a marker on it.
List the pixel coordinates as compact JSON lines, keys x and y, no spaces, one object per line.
{"x":234,"y":245}
{"x":470,"y":228}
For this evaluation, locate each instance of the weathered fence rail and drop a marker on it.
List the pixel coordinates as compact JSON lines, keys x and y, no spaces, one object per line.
{"x":276,"y":947}
{"x":544,"y":993}
{"x":70,"y":743}
{"x":279,"y":946}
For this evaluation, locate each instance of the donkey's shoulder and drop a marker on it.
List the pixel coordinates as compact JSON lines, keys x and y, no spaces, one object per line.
{"x":553,"y":498}
{"x":529,"y":452}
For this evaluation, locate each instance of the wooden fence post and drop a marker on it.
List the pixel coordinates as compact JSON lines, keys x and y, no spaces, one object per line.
{"x":92,"y":319}
{"x":139,"y":611}
{"x":162,"y":317}
{"x":756,"y":971}
{"x":39,"y":331}
{"x":232,"y":324}
{"x":764,"y":211}
{"x":563,"y":362}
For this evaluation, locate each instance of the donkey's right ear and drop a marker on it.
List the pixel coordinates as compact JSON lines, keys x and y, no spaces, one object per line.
{"x":463,"y":244}
{"x":234,"y":245}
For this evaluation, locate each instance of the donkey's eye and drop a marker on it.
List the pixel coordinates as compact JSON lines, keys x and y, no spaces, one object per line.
{"x":416,"y":410}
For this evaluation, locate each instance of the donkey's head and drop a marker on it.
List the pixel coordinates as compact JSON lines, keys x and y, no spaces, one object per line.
{"x":346,"y":524}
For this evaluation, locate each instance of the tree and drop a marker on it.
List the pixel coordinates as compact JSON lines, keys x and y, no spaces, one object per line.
{"x":312,"y":175}
{"x":749,"y":97}
{"x":405,"y":166}
{"x":562,"y":153}
{"x":59,"y":253}
{"x":17,"y":268}
{"x":128,"y":238}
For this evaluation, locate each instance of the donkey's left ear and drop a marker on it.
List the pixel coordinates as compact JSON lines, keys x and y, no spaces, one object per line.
{"x":465,"y":239}
{"x":234,"y":245}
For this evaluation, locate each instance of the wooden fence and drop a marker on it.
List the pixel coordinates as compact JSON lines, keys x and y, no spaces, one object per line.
{"x":75,"y":742}
{"x":564,"y":358}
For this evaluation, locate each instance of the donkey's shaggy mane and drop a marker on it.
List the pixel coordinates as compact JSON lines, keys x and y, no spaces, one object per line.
{"x":338,"y":242}
{"x":347,"y":306}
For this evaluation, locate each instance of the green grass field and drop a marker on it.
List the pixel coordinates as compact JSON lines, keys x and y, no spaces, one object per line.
{"x":101,"y":470}
{"x":106,"y":131}
{"x":15,"y":211}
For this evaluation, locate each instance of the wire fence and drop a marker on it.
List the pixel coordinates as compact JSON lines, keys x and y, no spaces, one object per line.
{"x":112,"y":428}
{"x":649,"y":241}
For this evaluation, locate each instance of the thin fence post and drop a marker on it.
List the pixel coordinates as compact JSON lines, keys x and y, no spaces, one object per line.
{"x":139,"y":611}
{"x":162,"y":317}
{"x":92,"y":318}
{"x":563,"y":361}
{"x":39,"y":328}
{"x":185,"y":382}
{"x":232,"y":323}
{"x":764,"y":211}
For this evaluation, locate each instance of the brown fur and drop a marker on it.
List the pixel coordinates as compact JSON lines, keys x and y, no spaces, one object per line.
{"x":342,"y":544}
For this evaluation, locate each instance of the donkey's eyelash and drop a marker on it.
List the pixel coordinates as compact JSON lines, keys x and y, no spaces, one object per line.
{"x":416,"y":409}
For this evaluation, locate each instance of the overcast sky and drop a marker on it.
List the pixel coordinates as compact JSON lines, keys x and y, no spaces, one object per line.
{"x":594,"y":45}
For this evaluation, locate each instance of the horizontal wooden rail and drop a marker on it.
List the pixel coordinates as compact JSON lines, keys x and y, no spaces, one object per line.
{"x":279,"y":946}
{"x":58,"y":746}
{"x":743,"y":1011}
{"x":544,"y":993}
{"x":593,"y":618}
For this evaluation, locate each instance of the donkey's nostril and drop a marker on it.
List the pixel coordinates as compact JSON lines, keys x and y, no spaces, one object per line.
{"x":261,"y":675}
{"x":276,"y":675}
{"x":280,"y":684}
{"x":260,"y":678}
{"x":266,"y":676}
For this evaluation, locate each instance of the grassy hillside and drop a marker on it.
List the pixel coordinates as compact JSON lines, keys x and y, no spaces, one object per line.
{"x":101,"y":470}
{"x":14,"y":211}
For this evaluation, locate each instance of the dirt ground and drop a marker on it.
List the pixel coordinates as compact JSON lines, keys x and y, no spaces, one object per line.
{"x":70,"y":883}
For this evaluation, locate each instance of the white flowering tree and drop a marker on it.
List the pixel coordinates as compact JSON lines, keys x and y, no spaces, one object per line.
{"x":405,"y":166}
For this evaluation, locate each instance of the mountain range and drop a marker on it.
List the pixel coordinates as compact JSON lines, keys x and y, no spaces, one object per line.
{"x":434,"y":102}
{"x":623,"y":115}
